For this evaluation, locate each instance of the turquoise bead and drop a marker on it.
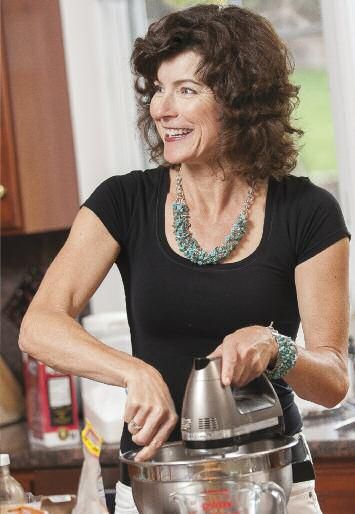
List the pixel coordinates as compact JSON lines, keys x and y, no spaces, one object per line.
{"x":191,"y":248}
{"x":188,"y":246}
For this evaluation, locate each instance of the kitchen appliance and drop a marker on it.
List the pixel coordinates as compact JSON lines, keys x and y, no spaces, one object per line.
{"x":227,"y":435}
{"x":229,"y":497}
{"x":215,"y":416}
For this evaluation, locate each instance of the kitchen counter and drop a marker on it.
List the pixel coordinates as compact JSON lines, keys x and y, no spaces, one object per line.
{"x":324,"y":440}
{"x":14,"y":440}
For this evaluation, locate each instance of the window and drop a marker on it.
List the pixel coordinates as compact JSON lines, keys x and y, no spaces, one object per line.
{"x":158,"y":8}
{"x":299,"y":23}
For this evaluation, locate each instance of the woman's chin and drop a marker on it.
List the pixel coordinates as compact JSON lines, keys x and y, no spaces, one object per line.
{"x":177,"y":157}
{"x":172,"y":161}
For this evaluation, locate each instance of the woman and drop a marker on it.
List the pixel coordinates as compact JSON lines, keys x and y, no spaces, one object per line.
{"x":213,"y":245}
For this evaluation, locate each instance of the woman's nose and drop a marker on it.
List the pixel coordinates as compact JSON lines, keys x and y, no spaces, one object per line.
{"x":164,"y":106}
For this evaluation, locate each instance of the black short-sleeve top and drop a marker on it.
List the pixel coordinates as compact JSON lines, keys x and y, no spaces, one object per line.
{"x":178,"y":310}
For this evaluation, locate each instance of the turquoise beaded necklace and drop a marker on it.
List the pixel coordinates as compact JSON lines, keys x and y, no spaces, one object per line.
{"x":190,"y":248}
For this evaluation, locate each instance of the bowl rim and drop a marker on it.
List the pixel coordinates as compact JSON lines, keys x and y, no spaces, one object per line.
{"x":128,"y":457}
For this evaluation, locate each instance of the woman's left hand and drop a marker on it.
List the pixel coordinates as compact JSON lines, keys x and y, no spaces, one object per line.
{"x":246,"y":353}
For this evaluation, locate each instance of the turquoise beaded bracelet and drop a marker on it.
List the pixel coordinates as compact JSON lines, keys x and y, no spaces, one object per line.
{"x":286,"y":357}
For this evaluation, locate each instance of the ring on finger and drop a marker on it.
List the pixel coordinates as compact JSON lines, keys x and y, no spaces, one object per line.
{"x":135,"y":425}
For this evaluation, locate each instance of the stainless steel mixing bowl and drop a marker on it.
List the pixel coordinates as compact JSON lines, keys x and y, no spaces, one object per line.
{"x":175,"y":466}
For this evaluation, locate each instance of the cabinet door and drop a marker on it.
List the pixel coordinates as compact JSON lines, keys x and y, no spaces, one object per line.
{"x":26,"y":479}
{"x":335,"y":485}
{"x":61,"y":480}
{"x":37,"y":104}
{"x":9,"y":193}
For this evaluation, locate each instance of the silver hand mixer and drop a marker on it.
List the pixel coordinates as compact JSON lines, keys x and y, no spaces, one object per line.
{"x":215,"y":416}
{"x":228,"y":434}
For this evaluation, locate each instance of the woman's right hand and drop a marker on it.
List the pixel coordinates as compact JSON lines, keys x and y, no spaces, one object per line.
{"x":150,"y":406}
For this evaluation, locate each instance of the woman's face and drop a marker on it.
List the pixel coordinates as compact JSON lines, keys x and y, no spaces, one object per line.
{"x":185,"y":111}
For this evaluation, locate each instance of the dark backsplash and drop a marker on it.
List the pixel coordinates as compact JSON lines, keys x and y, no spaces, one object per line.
{"x":18,"y":255}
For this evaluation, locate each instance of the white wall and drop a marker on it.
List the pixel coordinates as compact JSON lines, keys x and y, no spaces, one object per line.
{"x":339,"y":38}
{"x":97,"y":41}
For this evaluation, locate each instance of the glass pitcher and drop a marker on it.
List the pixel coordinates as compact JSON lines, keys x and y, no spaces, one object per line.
{"x":230,"y":497}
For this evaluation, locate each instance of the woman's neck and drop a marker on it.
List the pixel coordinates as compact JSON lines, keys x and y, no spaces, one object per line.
{"x":211,"y":190}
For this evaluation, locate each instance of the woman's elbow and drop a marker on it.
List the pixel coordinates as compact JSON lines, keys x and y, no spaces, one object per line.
{"x":25,"y":338}
{"x":338,"y":393}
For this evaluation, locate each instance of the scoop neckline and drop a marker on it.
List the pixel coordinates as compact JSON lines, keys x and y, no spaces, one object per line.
{"x":163,"y":190}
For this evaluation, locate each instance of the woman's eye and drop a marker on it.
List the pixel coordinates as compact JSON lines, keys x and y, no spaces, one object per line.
{"x":187,"y":91}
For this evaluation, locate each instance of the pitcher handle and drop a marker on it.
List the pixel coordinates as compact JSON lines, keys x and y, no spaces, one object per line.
{"x":277,"y":494}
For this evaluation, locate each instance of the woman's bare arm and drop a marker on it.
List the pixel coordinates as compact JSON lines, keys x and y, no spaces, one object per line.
{"x":320,"y":373}
{"x":322,"y":283}
{"x":48,"y":331}
{"x":51,"y":335}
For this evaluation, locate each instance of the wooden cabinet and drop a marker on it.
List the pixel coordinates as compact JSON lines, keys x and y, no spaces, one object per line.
{"x":61,"y":480}
{"x":335,"y":485}
{"x":11,"y":216}
{"x":39,"y":187}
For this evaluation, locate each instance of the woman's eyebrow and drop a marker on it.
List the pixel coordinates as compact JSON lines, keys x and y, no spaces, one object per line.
{"x":180,"y":81}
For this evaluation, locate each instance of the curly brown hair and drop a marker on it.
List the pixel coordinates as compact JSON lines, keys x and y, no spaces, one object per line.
{"x":246,"y":65}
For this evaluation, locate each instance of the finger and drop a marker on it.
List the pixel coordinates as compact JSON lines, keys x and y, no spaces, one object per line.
{"x":148,"y":451}
{"x":153,"y":423}
{"x":240,"y":372}
{"x":133,"y":429}
{"x":137,"y":423}
{"x":248,"y":366}
{"x":150,"y":428}
{"x":131,"y":411}
{"x":229,"y":363}
{"x":249,"y":372}
{"x":161,"y":436}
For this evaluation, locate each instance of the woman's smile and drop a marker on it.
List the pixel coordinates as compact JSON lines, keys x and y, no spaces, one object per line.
{"x":173,"y":135}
